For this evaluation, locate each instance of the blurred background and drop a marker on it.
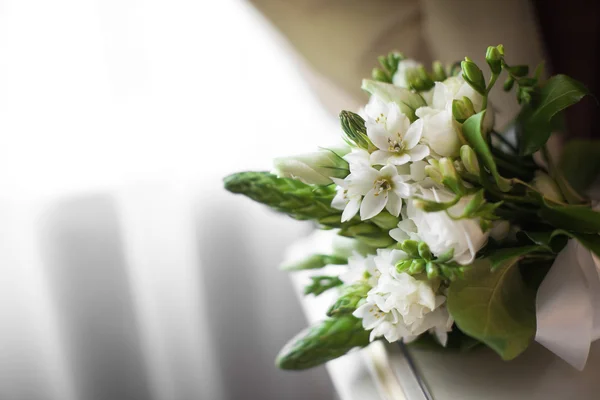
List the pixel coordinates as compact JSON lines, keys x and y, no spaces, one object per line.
{"x":126,"y":271}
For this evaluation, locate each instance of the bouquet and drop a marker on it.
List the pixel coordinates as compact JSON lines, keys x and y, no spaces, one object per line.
{"x":440,"y":227}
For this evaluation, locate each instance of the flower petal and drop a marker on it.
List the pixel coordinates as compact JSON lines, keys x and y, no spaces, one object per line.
{"x":413,"y":135}
{"x":389,"y":171}
{"x":418,"y":152}
{"x":394,"y":204}
{"x":351,"y":209}
{"x":403,"y":190}
{"x":372,"y":204}
{"x":401,"y":159}
{"x":379,"y":136}
{"x":380,"y":157}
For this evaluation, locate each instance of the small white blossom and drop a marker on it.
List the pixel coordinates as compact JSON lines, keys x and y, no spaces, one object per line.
{"x":439,"y":231}
{"x":440,"y":132}
{"x":393,"y":134}
{"x":379,"y":190}
{"x":361,"y":268}
{"x":400,"y":306}
{"x":399,"y":78}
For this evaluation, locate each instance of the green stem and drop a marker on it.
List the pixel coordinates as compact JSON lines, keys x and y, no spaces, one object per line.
{"x":489,"y":87}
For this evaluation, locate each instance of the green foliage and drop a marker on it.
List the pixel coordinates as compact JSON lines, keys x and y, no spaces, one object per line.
{"x":369,"y":234}
{"x":512,"y":255}
{"x":495,"y":308}
{"x":418,"y":79}
{"x":574,"y":218}
{"x":580,"y":163}
{"x":349,"y":299}
{"x":407,"y":101}
{"x":321,"y":284}
{"x":315,"y":261}
{"x":420,"y":260}
{"x":472,"y":130}
{"x":323,"y":342}
{"x":289,"y":196}
{"x":550,"y":240}
{"x":389,"y":66}
{"x":558,"y":93}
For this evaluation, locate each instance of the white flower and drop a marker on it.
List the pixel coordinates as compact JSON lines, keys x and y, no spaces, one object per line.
{"x":400,"y":306}
{"x":393,"y":134}
{"x":361,"y":269}
{"x":439,"y":231}
{"x":543,"y":183}
{"x":378,"y":189}
{"x":313,"y":168}
{"x":399,"y":78}
{"x":440,"y":129}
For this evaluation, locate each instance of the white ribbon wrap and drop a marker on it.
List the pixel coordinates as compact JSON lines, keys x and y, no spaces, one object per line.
{"x":568,"y":305}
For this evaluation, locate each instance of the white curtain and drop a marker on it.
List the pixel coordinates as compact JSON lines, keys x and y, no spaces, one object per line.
{"x":126,"y":271}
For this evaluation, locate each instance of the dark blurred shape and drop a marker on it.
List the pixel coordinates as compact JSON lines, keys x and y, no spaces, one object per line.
{"x":571,"y":32}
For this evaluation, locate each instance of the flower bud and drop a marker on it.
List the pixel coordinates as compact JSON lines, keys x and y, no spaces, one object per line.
{"x":462,"y":109}
{"x":433,"y":270}
{"x":434,"y":174}
{"x":469,"y":160}
{"x":424,"y":251}
{"x":403,"y":265}
{"x":313,"y":168}
{"x":354,"y":127}
{"x":449,"y":175}
{"x":379,"y":75}
{"x":417,"y":266}
{"x":543,"y":183}
{"x":494,"y":59}
{"x":438,"y":74}
{"x":473,"y":75}
{"x":410,"y":247}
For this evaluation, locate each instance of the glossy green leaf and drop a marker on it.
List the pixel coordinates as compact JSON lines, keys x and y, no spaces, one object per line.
{"x":549,"y":240}
{"x":408,"y":101}
{"x":495,"y":307}
{"x":511,"y":255}
{"x":472,"y":130}
{"x":558,"y":93}
{"x":323,"y":342}
{"x":575,"y":218}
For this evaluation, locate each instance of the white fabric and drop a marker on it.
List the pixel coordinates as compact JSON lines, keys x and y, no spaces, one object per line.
{"x":568,"y":305}
{"x":126,"y":271}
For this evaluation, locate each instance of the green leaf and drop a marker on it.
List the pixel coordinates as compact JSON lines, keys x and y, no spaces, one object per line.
{"x":495,"y":307}
{"x":472,"y":130}
{"x":315,"y":261}
{"x":511,"y":255}
{"x":408,"y":101}
{"x":580,"y":163}
{"x":558,"y":93}
{"x":576,"y":218}
{"x":323,"y":342}
{"x":548,"y":239}
{"x":349,"y":299}
{"x":322,"y":283}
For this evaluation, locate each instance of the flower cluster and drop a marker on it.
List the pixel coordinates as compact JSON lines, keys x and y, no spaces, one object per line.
{"x":435,"y":206}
